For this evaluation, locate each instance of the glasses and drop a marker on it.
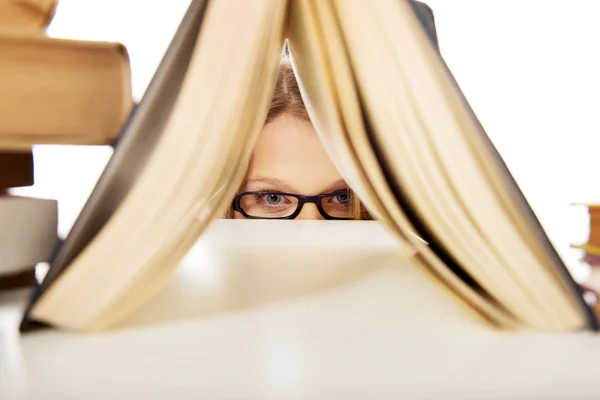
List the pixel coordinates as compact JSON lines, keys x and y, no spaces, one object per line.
{"x":278,"y":205}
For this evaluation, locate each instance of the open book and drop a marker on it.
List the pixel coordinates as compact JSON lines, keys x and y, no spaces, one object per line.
{"x":390,"y":115}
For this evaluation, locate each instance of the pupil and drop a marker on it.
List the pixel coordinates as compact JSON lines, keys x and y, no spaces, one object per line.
{"x":273,"y":198}
{"x":343,"y":198}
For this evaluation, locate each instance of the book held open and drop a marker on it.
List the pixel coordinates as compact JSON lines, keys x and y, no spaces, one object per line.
{"x":390,"y":115}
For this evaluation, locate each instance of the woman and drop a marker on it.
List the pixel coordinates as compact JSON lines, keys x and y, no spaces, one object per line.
{"x":290,"y":174}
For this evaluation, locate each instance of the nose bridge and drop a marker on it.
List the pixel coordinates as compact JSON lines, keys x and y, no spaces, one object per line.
{"x":309,"y":211}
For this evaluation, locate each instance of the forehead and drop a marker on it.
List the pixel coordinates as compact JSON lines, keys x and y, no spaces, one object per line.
{"x":289,"y":150}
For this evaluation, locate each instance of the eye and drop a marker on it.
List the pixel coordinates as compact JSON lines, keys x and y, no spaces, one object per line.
{"x":343,"y":198}
{"x":273,"y":199}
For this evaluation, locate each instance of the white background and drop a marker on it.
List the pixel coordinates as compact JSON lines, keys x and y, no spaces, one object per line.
{"x":530,"y":69}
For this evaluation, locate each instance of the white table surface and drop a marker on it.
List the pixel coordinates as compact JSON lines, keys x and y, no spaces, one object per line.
{"x":354,"y":321}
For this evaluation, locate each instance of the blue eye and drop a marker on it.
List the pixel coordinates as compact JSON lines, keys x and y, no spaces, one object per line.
{"x":343,"y":198}
{"x":273,"y":199}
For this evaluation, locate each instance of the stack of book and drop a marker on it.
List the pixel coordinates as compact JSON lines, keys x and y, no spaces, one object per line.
{"x":591,"y":248}
{"x":54,"y":91}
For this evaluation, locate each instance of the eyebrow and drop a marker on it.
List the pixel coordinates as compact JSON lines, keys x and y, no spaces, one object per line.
{"x":276,"y":184}
{"x":283,"y":186}
{"x":337,"y":185}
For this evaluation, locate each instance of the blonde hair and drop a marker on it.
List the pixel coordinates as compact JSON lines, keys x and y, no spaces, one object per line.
{"x":287,"y":100}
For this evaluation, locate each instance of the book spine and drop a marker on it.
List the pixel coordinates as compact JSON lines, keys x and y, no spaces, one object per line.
{"x":16,"y":169}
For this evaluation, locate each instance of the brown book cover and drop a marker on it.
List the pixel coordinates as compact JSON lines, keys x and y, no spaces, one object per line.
{"x":78,"y":91}
{"x":16,"y":169}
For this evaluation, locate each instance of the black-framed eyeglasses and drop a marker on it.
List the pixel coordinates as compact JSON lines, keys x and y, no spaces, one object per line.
{"x":279,"y":205}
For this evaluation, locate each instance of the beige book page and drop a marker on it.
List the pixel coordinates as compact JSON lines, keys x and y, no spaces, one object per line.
{"x":329,"y":88}
{"x":153,"y":229}
{"x":352,"y":113}
{"x":260,"y":83}
{"x":315,"y":78}
{"x":446,"y":118}
{"x":508,"y":196}
{"x":389,"y":105}
{"x":135,"y":145}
